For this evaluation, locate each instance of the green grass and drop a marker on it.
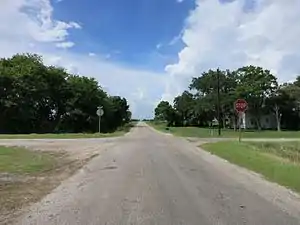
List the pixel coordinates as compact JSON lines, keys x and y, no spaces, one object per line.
{"x":226,"y":133}
{"x":121,"y":131}
{"x":23,"y":161}
{"x":267,"y":159}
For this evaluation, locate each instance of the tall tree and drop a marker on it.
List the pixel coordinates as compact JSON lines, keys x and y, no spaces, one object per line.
{"x":184,"y":105}
{"x":256,"y":85}
{"x":207,"y":87}
{"x":39,"y":98}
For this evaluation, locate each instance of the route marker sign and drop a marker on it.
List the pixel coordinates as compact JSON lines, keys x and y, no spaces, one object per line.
{"x":241,"y":105}
{"x":100,"y":112}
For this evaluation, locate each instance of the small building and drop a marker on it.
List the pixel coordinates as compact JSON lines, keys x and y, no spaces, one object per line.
{"x":267,"y":121}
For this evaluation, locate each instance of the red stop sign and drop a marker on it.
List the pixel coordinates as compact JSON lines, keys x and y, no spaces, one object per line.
{"x":241,"y":105}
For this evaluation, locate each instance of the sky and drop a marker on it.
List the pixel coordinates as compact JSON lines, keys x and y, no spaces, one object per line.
{"x":149,"y":50}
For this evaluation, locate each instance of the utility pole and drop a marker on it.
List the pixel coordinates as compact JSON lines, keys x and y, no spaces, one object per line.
{"x":218,"y":102}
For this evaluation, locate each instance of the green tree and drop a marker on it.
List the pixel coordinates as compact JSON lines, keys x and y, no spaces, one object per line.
{"x":255,"y":85}
{"x":162,"y":111}
{"x":206,"y":87}
{"x":39,"y":98}
{"x":184,"y":105}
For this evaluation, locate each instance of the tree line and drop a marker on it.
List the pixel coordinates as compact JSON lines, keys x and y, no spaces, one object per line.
{"x":198,"y":106}
{"x":35,"y":98}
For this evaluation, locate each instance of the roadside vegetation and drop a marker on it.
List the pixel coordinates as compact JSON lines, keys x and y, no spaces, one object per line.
{"x":38,"y":101}
{"x":16,"y":160}
{"x":36,"y":98}
{"x":200,"y":132}
{"x":26,"y":176}
{"x":119,"y":132}
{"x":277,"y":161}
{"x":270,"y":105}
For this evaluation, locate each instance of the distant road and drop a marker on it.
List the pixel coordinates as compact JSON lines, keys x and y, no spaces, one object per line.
{"x":150,"y":178}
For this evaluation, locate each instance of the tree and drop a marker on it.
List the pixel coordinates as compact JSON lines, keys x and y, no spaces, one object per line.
{"x":39,"y":98}
{"x":184,"y":105}
{"x":207,"y":87}
{"x":162,"y":110}
{"x":255,"y":85}
{"x":291,"y":111}
{"x":165,"y":112}
{"x":277,"y":103}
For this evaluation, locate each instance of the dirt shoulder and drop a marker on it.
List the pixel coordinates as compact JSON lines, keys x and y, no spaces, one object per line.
{"x":30,"y":178}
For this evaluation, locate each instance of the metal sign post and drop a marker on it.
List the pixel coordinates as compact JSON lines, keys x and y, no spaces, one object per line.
{"x":240,"y":106}
{"x":240,"y":125}
{"x":100,"y":113}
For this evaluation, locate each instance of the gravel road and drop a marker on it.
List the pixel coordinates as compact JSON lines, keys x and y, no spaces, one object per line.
{"x":148,"y":178}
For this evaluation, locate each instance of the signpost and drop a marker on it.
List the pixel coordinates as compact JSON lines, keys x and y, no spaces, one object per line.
{"x":100,"y":112}
{"x":241,"y":107}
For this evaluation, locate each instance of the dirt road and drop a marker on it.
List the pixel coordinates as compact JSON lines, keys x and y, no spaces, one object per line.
{"x":148,"y":178}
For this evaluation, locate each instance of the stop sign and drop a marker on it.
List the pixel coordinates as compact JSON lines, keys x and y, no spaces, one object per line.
{"x":241,"y":105}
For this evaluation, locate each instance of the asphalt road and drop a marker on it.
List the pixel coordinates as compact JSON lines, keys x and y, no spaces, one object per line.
{"x":149,"y":178}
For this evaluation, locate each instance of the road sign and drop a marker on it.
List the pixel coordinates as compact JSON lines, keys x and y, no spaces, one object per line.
{"x":100,"y":112}
{"x":241,"y":105}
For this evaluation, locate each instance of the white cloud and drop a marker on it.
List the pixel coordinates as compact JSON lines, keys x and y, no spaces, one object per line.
{"x":223,"y":35}
{"x":142,"y":89}
{"x":216,"y":35}
{"x":67,"y":44}
{"x":32,"y":21}
{"x":34,"y":30}
{"x":176,"y":38}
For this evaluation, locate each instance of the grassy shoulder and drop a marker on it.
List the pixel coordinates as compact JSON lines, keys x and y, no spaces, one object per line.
{"x":121,"y":131}
{"x":278,"y":162}
{"x":26,"y":176}
{"x":15,"y":160}
{"x":226,"y":133}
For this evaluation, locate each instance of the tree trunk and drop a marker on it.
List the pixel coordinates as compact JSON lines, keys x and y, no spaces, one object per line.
{"x":258,"y":125}
{"x":234,"y":122}
{"x":278,"y":117}
{"x":278,"y":125}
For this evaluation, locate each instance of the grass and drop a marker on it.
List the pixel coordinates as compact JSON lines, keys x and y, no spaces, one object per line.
{"x":278,"y":162}
{"x":226,"y":133}
{"x":26,"y":176}
{"x":121,"y":131}
{"x":15,"y":160}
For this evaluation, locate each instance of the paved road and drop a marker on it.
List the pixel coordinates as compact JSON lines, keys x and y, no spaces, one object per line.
{"x":149,"y":178}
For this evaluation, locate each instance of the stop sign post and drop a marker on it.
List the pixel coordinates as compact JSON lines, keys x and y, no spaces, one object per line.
{"x":240,"y":106}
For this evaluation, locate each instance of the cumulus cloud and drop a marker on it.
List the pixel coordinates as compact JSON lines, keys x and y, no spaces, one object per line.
{"x":67,"y":44}
{"x":35,"y":30}
{"x":32,"y":22}
{"x":230,"y":35}
{"x":216,"y":35}
{"x":142,"y":89}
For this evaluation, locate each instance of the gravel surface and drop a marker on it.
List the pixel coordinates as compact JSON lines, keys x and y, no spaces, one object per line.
{"x":147,"y":178}
{"x":76,"y":148}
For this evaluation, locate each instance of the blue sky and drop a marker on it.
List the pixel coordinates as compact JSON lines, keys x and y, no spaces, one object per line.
{"x":149,"y":50}
{"x":138,"y":33}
